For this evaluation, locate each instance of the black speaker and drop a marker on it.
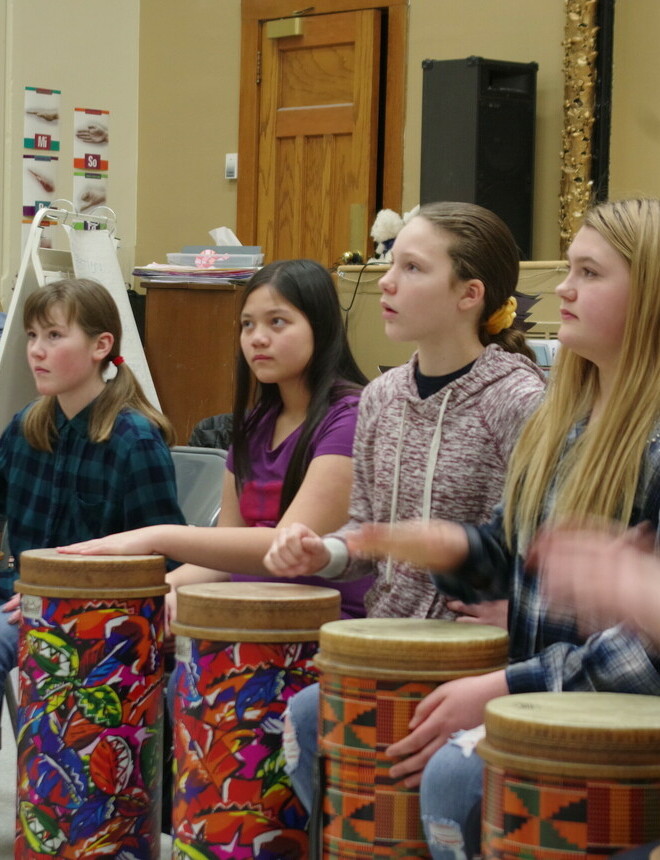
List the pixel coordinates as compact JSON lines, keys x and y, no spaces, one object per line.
{"x":478,"y":138}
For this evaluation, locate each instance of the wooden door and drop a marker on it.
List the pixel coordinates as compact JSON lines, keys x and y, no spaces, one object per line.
{"x":321,"y":125}
{"x":318,"y":137}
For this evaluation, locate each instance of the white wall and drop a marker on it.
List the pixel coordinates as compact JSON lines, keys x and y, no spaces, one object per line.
{"x":88,"y":49}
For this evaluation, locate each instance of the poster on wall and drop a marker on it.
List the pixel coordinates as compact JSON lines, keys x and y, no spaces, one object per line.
{"x":41,"y":136}
{"x":91,"y":140}
{"x":39,"y":183}
{"x":41,"y":122}
{"x":39,"y":189}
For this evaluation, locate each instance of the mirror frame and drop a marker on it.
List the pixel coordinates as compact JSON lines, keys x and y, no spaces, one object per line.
{"x":588,"y":48}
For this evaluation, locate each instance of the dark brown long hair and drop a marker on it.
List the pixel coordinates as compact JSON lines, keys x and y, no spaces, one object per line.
{"x":331,"y":372}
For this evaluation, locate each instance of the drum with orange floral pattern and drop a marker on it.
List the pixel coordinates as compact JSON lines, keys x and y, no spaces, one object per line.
{"x":243,"y":650}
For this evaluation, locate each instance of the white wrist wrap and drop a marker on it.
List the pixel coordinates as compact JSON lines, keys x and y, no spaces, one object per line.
{"x":338,"y":558}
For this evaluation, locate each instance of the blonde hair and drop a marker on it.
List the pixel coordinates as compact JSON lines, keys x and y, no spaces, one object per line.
{"x":89,"y":305}
{"x":599,"y":476}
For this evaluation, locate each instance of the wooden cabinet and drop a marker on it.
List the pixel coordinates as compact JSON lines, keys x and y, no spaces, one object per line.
{"x":191,"y":340}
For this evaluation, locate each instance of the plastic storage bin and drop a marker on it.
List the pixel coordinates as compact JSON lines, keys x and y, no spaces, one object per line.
{"x":233,"y":261}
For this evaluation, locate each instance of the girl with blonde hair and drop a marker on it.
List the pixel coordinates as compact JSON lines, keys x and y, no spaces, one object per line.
{"x":592,"y":450}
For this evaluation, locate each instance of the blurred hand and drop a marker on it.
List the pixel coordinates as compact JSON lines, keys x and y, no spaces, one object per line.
{"x":439,"y":544}
{"x":44,"y":181}
{"x":600,"y":577}
{"x":493,"y":612}
{"x":91,"y":197}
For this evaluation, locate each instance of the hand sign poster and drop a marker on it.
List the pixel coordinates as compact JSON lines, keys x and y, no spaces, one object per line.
{"x":91,"y":138}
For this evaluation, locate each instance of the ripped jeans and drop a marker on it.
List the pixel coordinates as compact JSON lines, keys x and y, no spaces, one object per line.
{"x":450,"y":793}
{"x":450,"y":802}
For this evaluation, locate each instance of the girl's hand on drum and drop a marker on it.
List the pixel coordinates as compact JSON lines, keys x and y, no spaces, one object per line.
{"x":493,"y":612}
{"x":296,"y":551}
{"x":13,"y":605}
{"x":136,"y":542}
{"x":438,"y":544}
{"x":452,"y":706}
{"x":170,"y":611}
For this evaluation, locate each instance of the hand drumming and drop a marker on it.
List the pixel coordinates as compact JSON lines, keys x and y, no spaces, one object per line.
{"x":493,"y":612}
{"x":296,"y":551}
{"x":136,"y":542}
{"x":600,"y":577}
{"x":438,"y":544}
{"x":450,"y":707}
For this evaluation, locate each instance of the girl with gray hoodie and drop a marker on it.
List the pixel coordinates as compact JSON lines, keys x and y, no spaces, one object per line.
{"x":434,"y":436}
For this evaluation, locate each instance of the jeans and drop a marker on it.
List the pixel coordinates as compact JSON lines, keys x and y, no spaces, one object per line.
{"x":450,"y":792}
{"x":450,"y":803}
{"x":8,"y":646}
{"x":301,"y":744}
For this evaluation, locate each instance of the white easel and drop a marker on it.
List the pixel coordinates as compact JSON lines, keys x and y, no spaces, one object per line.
{"x":92,"y":255}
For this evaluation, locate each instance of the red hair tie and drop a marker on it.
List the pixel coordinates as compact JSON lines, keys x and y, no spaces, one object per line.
{"x":119,"y":359}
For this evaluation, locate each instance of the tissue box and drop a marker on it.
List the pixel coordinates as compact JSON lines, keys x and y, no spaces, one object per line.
{"x":222,"y":249}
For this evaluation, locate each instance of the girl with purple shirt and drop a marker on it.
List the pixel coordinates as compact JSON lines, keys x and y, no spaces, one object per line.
{"x":295,"y":409}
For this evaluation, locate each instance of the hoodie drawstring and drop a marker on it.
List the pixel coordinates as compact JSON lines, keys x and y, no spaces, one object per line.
{"x":431,"y":460}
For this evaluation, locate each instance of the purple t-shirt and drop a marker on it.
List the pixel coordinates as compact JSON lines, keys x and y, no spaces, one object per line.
{"x":259,"y":500}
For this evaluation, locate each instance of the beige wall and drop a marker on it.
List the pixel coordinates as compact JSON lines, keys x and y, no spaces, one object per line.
{"x":635,"y":140}
{"x":513,"y":30}
{"x":187,"y":114}
{"x":189,"y":81}
{"x":88,"y":50}
{"x":189,"y":105}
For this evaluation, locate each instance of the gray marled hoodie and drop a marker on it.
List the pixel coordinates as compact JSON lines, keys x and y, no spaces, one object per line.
{"x":443,"y":457}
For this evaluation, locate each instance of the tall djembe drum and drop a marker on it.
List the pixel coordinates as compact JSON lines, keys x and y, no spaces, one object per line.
{"x":243,"y":649}
{"x":570,"y":775}
{"x":90,"y":706}
{"x":373,"y":673}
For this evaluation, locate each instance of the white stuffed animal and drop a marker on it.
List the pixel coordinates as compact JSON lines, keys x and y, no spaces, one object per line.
{"x":384,"y":231}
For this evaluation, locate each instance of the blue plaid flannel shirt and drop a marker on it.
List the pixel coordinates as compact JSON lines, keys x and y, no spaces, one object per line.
{"x":84,"y":489}
{"x":549,"y":653}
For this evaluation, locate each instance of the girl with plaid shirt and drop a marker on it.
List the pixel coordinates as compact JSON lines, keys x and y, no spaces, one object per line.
{"x":592,"y":450}
{"x":89,"y":457}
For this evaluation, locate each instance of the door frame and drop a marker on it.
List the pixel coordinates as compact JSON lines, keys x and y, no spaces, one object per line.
{"x":253,"y":14}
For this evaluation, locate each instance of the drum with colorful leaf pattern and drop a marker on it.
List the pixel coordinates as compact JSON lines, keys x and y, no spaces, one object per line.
{"x":90,"y":706}
{"x":243,"y":649}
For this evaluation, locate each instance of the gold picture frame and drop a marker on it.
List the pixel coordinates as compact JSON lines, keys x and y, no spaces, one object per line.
{"x":579,"y":115}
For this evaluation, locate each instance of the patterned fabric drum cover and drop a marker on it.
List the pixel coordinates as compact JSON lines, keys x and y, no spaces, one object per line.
{"x":243,"y":649}
{"x":90,"y":706}
{"x":373,"y":674}
{"x":570,"y":775}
